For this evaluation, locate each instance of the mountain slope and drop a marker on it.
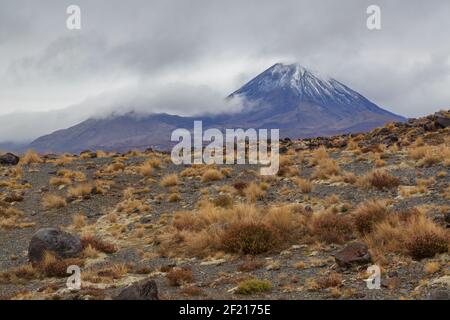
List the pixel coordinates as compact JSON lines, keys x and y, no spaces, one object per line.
{"x":287,"y":97}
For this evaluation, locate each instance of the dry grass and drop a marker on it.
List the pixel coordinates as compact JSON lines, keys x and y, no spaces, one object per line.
{"x":331,"y":227}
{"x":305,"y":185}
{"x":98,"y":244}
{"x":80,"y":190}
{"x":368,"y":214}
{"x":411,"y":234}
{"x":60,"y":181}
{"x":132,"y":206}
{"x":169,"y":180}
{"x":174,"y":197}
{"x":243,"y":228}
{"x":51,"y":266}
{"x":212,"y":175}
{"x":432,"y":267}
{"x":79,"y":221}
{"x":179,"y":276}
{"x":253,"y":192}
{"x":146,"y":169}
{"x":379,"y":179}
{"x":72,"y":175}
{"x":252,"y":286}
{"x":328,"y":281}
{"x":249,"y":238}
{"x":325,"y":169}
{"x":51,"y":201}
{"x":31,"y":157}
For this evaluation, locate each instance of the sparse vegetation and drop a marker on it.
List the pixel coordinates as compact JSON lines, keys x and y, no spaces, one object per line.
{"x":51,"y":201}
{"x":253,"y":286}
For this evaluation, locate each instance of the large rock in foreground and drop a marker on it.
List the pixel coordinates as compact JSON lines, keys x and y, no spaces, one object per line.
{"x":355,"y":253}
{"x":9,"y":159}
{"x":60,"y":243}
{"x":143,"y":290}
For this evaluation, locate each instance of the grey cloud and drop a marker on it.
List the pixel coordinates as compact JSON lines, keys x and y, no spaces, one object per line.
{"x":185,"y":56}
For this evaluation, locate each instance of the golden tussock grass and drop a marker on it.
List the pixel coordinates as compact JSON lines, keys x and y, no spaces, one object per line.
{"x":379,"y":179}
{"x":169,"y":180}
{"x":80,"y":190}
{"x":79,"y":221}
{"x":31,"y":157}
{"x":60,"y":181}
{"x":331,"y":227}
{"x":254,"y":192}
{"x":51,"y":201}
{"x":326,"y":168}
{"x":212,"y":175}
{"x":243,"y":228}
{"x":411,"y":234}
{"x":145,"y":169}
{"x":77,"y":176}
{"x":368,"y":213}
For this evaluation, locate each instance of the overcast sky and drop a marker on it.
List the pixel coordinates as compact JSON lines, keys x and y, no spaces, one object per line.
{"x":184,"y":56}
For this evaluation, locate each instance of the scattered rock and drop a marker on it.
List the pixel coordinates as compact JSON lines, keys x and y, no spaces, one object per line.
{"x":13,"y":197}
{"x":443,"y":121}
{"x":60,"y":243}
{"x":355,"y":253}
{"x":143,"y":290}
{"x":9,"y":159}
{"x":439,"y":294}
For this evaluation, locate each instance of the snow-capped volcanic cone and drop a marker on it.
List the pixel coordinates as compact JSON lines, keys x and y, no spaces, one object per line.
{"x":286,"y":97}
{"x":301,"y":104}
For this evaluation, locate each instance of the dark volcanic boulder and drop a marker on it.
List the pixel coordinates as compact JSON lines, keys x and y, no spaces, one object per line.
{"x":355,"y":253}
{"x":9,"y":159}
{"x":59,"y":243}
{"x":443,"y":120}
{"x":143,"y":290}
{"x":439,"y":294}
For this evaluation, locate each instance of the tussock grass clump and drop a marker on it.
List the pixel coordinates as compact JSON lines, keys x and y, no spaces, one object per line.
{"x":409,"y":234}
{"x":243,"y":228}
{"x":380,"y":179}
{"x":317,"y":155}
{"x":132,"y":206}
{"x":60,"y":181}
{"x":305,"y":185}
{"x":212,"y":175}
{"x":81,"y":190}
{"x":51,"y":201}
{"x":73,"y":175}
{"x":254,"y":192}
{"x":179,"y":276}
{"x":224,"y":201}
{"x":169,"y":180}
{"x":328,"y":281}
{"x":98,"y":244}
{"x":326,"y":168}
{"x":51,"y":266}
{"x":249,"y":238}
{"x":174,"y":197}
{"x":31,"y":157}
{"x":368,"y":214}
{"x":331,"y":227}
{"x":146,"y":169}
{"x":252,"y":286}
{"x":79,"y":220}
{"x":425,"y":239}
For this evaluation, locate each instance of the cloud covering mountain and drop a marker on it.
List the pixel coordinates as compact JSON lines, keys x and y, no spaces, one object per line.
{"x":155,"y":55}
